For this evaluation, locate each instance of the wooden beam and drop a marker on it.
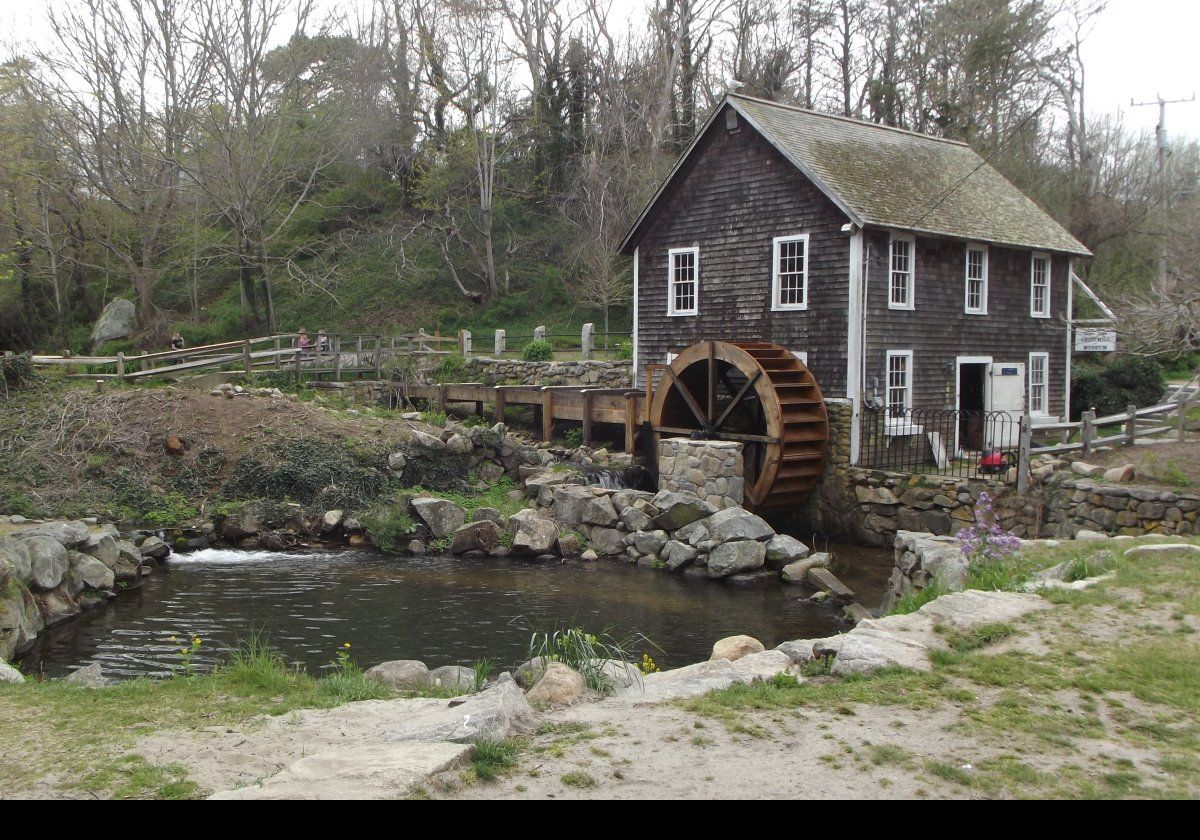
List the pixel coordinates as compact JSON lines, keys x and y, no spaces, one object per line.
{"x":587,"y":418}
{"x":737,"y":399}
{"x":547,"y":414}
{"x":687,"y":397}
{"x":630,"y":420}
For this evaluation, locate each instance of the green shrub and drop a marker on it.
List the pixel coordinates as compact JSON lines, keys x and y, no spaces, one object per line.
{"x":390,"y":529}
{"x":625,"y":350}
{"x":538,"y":351}
{"x":1132,"y":380}
{"x":573,"y":437}
{"x":451,"y":369}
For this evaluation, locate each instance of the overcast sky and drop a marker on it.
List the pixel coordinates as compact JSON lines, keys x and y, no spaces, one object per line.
{"x":1139,"y":49}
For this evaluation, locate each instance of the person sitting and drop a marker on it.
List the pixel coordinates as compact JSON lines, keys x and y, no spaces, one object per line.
{"x":322,"y":341}
{"x":176,"y":344}
{"x":302,"y":339}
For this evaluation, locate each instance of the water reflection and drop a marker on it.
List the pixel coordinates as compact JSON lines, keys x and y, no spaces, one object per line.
{"x":437,"y":609}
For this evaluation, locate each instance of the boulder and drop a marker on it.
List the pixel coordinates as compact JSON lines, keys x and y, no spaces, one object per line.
{"x":1090,"y":536}
{"x":458,"y":445}
{"x":1143,"y":552}
{"x":570,"y":500}
{"x":865,"y":650}
{"x":476,"y":536}
{"x":1120,"y":475}
{"x":798,"y":572}
{"x":733,"y":558}
{"x":559,"y":686}
{"x":487,"y":514}
{"x":799,"y":651}
{"x":47,"y":562}
{"x":530,"y":671}
{"x":400,"y":674}
{"x":737,"y":523}
{"x":15,"y":557}
{"x":117,"y":320}
{"x":455,"y":677}
{"x":783,"y":550}
{"x":491,"y":472}
{"x":416,"y":547}
{"x":331,"y":520}
{"x":824,"y":580}
{"x":535,"y":535}
{"x":90,"y":676}
{"x":397,"y":461}
{"x":735,"y":647}
{"x":634,"y":520}
{"x":624,"y":499}
{"x":86,"y":572}
{"x":679,"y":509}
{"x":569,"y":545}
{"x":497,"y":713}
{"x":427,"y":441}
{"x":676,"y":555}
{"x":648,"y":542}
{"x":154,"y":547}
{"x":694,"y":534}
{"x":599,"y":511}
{"x":441,"y":516}
{"x":589,"y":556}
{"x":608,"y":542}
{"x":66,"y":534}
{"x":9,"y":674}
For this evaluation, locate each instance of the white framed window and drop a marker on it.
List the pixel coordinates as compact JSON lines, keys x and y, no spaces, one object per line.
{"x":977,"y":280}
{"x":1039,"y":286}
{"x":789,"y":273}
{"x":899,"y":382}
{"x":902,"y":271}
{"x":683,"y":281}
{"x":1039,"y":384}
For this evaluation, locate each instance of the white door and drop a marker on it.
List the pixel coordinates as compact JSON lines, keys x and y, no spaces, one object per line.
{"x":1007,"y":394}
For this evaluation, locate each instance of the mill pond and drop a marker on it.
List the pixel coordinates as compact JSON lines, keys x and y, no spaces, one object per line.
{"x":442,"y":610}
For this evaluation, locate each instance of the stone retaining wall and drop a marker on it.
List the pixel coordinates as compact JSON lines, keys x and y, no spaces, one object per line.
{"x":519,"y":372}
{"x":1080,"y":504}
{"x":710,"y":469}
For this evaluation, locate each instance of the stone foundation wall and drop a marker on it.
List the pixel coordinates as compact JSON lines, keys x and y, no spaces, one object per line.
{"x":1080,"y":504}
{"x":518,"y":372}
{"x":710,"y":469}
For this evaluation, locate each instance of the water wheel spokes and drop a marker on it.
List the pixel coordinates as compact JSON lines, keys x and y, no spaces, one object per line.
{"x":757,"y":394}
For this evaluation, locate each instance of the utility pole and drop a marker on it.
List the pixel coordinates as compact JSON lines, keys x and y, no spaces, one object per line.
{"x":1160,"y":142}
{"x":1160,"y":139}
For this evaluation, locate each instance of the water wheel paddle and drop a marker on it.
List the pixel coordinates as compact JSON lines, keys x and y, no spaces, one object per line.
{"x":756,"y":393}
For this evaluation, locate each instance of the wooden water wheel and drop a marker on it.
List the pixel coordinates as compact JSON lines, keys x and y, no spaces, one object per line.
{"x":756,"y":393}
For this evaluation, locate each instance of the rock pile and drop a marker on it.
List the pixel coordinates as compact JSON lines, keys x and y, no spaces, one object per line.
{"x":51,"y":571}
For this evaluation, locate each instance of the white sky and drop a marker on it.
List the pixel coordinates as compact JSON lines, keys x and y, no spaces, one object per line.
{"x":1137,"y":50}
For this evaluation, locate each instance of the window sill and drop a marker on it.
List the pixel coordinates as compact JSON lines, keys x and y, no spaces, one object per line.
{"x":686,"y":314}
{"x":791,"y":307}
{"x":1042,"y":317}
{"x":902,"y":308}
{"x":975,"y":312}
{"x":902,"y":428}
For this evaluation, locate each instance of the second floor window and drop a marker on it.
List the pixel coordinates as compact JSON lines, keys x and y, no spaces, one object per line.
{"x":789,"y":277}
{"x":683,"y":281}
{"x":900,"y":285}
{"x":977,"y":280}
{"x":1039,"y":287}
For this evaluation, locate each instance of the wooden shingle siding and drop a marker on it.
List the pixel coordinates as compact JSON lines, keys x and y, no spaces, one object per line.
{"x":735,"y":196}
{"x":937,"y":330}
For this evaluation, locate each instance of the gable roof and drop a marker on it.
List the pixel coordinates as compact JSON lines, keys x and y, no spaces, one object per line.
{"x":889,"y":177}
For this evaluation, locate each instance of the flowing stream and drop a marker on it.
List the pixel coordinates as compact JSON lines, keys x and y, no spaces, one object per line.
{"x":441,"y":610}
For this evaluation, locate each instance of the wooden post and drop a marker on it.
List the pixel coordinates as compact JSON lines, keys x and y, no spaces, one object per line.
{"x":547,"y":413}
{"x":587,"y":418}
{"x":1023,"y":454}
{"x":587,"y":340}
{"x":441,"y":404}
{"x":630,"y":420}
{"x":246,"y":356}
{"x":500,"y":405}
{"x":378,"y":358}
{"x":337,"y":358}
{"x":1087,"y":431}
{"x":464,"y":342}
{"x":1131,"y":425}
{"x":358,"y":363}
{"x":1184,"y":402}
{"x":498,"y":350}
{"x":278,"y":361}
{"x":296,"y":359}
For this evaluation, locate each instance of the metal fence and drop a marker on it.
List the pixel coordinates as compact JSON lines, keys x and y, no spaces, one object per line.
{"x":940,"y":441}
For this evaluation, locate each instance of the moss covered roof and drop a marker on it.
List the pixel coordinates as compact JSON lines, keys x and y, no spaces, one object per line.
{"x":893,"y":178}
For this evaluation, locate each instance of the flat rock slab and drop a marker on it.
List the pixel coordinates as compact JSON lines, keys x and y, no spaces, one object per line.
{"x":499,"y":712}
{"x":826,"y":581}
{"x":865,"y":650}
{"x":375,"y":771}
{"x":703,"y":677}
{"x":1144,"y":551}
